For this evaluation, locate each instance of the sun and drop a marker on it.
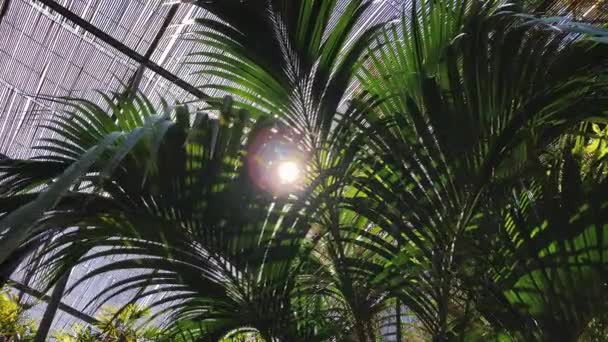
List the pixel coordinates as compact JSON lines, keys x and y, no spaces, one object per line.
{"x":288,"y":172}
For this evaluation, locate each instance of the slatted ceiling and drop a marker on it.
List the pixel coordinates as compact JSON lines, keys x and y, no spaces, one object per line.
{"x":55,"y":63}
{"x":171,"y":54}
{"x":381,"y":11}
{"x":79,"y":80}
{"x":86,"y":293}
{"x":138,"y":34}
{"x":128,"y":21}
{"x":593,"y":11}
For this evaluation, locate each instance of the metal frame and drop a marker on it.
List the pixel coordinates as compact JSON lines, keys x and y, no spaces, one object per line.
{"x":106,"y":38}
{"x":137,"y":76}
{"x":44,"y":297}
{"x":51,"y":308}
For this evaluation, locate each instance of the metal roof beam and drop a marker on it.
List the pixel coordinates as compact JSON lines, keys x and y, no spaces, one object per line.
{"x":106,"y":38}
{"x":62,"y":306}
{"x":137,"y":76}
{"x":51,"y":308}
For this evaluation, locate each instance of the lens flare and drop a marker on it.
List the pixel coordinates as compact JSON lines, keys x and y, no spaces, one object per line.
{"x":275,"y":162}
{"x":288,"y":172}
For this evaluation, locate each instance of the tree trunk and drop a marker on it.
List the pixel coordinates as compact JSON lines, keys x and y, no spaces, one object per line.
{"x":364,"y":330}
{"x":360,"y":331}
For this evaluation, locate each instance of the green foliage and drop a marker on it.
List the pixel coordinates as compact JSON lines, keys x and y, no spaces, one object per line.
{"x":465,"y":178}
{"x":242,"y":335}
{"x":453,"y":145}
{"x":14,"y":322}
{"x":597,"y":330}
{"x":78,"y":333}
{"x":115,"y":325}
{"x":591,"y":146}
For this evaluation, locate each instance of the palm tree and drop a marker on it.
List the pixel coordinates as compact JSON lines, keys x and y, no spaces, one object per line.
{"x":174,"y":198}
{"x":551,"y":279}
{"x":334,"y":272}
{"x":301,"y":73}
{"x":296,"y":61}
{"x":447,"y":184}
{"x":491,"y":91}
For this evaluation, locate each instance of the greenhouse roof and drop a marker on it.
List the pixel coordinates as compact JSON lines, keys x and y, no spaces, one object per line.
{"x":77,"y":48}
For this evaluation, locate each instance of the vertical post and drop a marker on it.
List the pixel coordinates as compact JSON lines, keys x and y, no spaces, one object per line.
{"x":51,"y":308}
{"x":398,"y":320}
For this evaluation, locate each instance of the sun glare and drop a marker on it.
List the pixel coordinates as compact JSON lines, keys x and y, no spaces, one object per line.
{"x":288,"y":171}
